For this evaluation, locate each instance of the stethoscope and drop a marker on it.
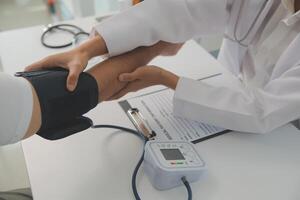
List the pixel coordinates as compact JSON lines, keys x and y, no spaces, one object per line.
{"x":242,"y":39}
{"x":75,"y":31}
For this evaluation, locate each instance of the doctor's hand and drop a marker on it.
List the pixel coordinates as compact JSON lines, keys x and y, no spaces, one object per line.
{"x":143,"y":77}
{"x":74,"y":60}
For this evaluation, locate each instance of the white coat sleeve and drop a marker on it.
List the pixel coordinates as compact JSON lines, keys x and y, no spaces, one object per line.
{"x":168,"y":20}
{"x":16,"y":104}
{"x":244,"y":109}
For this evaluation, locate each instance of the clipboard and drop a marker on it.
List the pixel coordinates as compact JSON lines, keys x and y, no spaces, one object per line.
{"x":161,"y":123}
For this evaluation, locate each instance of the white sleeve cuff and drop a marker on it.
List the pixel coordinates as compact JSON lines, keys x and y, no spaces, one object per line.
{"x":214,"y":104}
{"x":188,"y":95}
{"x":172,"y":21}
{"x":126,"y":31}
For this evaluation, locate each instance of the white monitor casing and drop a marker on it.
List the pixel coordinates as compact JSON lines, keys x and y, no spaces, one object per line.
{"x":166,"y":174}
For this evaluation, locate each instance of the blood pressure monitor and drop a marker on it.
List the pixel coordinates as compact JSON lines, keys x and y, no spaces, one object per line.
{"x":165,"y":163}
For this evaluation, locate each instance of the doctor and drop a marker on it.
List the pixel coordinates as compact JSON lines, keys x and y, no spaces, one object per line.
{"x":260,"y":48}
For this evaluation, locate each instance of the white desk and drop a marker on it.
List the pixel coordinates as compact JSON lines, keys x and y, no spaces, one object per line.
{"x":97,"y":164}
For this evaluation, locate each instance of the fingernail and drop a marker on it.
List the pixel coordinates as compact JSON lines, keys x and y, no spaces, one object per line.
{"x":121,"y":77}
{"x":71,"y":87}
{"x":125,"y":77}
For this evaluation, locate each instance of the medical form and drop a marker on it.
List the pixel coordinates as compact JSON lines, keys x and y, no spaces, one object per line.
{"x":156,"y":109}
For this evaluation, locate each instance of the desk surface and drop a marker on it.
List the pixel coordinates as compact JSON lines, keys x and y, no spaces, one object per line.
{"x":97,"y":164}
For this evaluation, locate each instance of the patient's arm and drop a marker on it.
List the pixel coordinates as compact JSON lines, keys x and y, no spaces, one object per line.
{"x":35,"y":122}
{"x":107,"y":76}
{"x":107,"y":72}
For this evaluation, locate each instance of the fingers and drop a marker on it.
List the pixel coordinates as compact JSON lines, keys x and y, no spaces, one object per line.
{"x":42,"y":64}
{"x":131,"y":87}
{"x":135,"y":75}
{"x":141,"y":78}
{"x":128,"y":77}
{"x":72,"y":79}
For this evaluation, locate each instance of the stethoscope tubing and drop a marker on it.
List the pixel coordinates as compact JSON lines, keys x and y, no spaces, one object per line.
{"x":75,"y":34}
{"x":252,"y":24}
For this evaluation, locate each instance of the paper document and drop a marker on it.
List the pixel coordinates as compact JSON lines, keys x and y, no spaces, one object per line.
{"x":157,"y":110}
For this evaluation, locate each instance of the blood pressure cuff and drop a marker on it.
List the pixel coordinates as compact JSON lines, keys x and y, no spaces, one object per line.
{"x":62,"y":110}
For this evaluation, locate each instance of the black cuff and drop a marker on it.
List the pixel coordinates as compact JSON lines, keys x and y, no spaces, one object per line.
{"x":62,"y":110}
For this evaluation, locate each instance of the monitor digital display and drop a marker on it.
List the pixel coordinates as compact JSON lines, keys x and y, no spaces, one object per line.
{"x":172,"y":154}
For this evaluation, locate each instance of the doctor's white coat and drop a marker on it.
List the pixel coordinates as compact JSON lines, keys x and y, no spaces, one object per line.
{"x":269,"y":87}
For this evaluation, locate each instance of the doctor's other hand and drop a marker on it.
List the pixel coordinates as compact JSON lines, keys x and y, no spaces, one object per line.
{"x":73,"y":60}
{"x":146,"y":76}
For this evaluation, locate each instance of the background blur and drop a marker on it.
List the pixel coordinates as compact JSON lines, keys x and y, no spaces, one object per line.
{"x":24,"y":13}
